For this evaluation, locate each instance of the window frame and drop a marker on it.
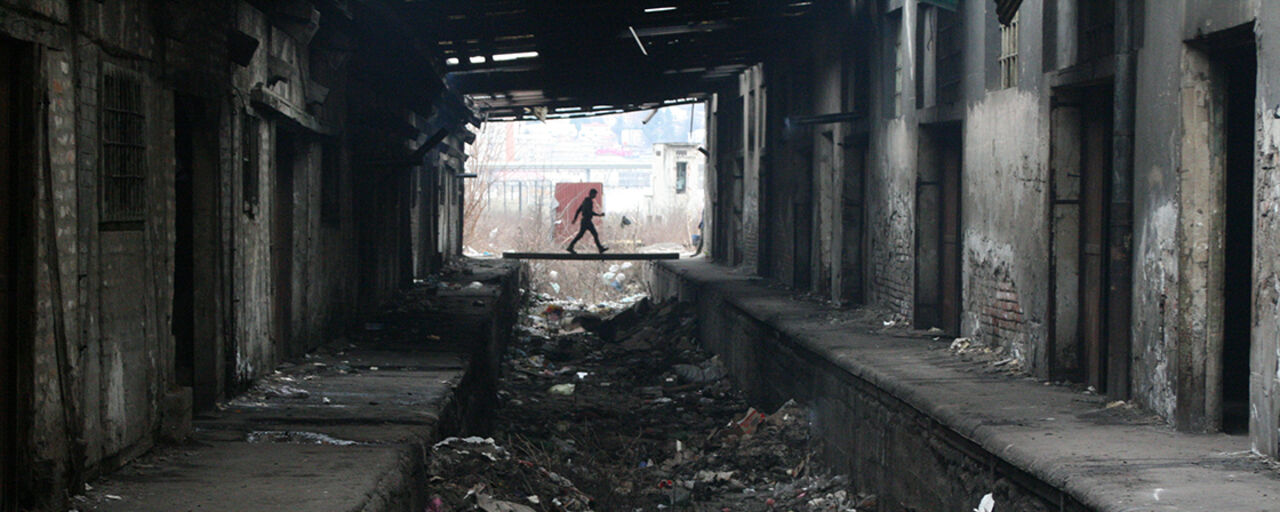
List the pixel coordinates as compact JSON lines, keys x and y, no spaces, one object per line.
{"x":123,"y":151}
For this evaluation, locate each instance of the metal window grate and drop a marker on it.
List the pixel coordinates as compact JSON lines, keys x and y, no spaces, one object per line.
{"x":124,"y":150}
{"x":1009,"y":53}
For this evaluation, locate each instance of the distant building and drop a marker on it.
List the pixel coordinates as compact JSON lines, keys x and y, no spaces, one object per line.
{"x":677,"y":182}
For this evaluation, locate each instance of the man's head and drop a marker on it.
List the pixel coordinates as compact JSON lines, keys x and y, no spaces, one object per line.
{"x":591,"y":193}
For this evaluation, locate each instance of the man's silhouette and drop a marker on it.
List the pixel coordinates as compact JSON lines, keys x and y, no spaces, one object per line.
{"x":587,"y":210}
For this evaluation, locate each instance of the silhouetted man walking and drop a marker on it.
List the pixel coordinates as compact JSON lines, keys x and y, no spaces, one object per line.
{"x":587,"y":210}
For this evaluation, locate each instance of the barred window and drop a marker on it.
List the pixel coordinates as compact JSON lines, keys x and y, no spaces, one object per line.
{"x":1009,"y":53}
{"x":123,"y":202}
{"x":682,"y":176}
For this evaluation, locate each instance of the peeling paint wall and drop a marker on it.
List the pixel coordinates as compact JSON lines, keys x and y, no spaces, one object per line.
{"x":1264,"y":377}
{"x":1006,"y":246}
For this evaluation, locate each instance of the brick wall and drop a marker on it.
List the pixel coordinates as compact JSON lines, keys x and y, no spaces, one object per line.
{"x":994,"y":299}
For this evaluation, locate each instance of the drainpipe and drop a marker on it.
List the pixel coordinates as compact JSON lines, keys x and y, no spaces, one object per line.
{"x":1120,"y":230}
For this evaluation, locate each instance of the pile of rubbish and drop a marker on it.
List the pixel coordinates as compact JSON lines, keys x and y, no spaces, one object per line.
{"x":617,"y":408}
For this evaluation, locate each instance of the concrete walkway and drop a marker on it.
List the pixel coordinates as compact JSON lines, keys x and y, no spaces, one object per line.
{"x":1024,"y":433}
{"x":346,"y":428}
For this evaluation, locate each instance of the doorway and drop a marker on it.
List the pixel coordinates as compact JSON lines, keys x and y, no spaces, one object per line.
{"x":853,"y":213}
{"x":1080,"y":146}
{"x":1238,"y":66}
{"x":282,"y":240}
{"x":198,"y":348}
{"x":12,"y":126}
{"x":937,"y":258}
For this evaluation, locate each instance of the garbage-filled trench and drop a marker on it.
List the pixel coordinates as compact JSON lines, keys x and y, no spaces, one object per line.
{"x":614,"y":407}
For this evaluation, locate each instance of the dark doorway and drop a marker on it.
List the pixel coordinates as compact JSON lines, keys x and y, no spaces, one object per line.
{"x":183,"y":285}
{"x":937,"y":290}
{"x":197,"y":349}
{"x":282,"y":240}
{"x":12,"y":123}
{"x":852,"y":219}
{"x":1239,"y":67}
{"x":802,"y":217}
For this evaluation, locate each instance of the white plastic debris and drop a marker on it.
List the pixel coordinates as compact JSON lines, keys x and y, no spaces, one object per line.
{"x":562,"y":389}
{"x":475,"y":285}
{"x":988,"y":504}
{"x":286,"y":391}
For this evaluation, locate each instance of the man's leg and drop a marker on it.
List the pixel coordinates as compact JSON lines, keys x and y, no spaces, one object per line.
{"x":582,"y":230}
{"x":591,"y":226}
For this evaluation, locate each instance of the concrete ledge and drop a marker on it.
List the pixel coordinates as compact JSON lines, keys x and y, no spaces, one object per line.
{"x":927,"y":431}
{"x":347,"y":429}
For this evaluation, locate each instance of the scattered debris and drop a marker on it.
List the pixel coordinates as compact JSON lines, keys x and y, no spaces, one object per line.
{"x":988,"y":504}
{"x":295,"y":437}
{"x":562,"y":389}
{"x":621,"y":410}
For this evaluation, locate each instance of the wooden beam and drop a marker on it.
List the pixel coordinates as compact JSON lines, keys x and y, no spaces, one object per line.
{"x":589,"y":256}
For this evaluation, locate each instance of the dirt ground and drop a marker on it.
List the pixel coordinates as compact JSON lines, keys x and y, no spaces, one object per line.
{"x":629,"y":414}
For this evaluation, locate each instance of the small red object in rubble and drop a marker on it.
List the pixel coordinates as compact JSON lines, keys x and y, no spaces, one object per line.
{"x":750,"y":422}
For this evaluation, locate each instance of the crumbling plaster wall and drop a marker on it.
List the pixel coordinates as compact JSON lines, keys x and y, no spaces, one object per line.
{"x":1157,"y":166}
{"x":253,"y":352}
{"x":1264,"y":379}
{"x":1004,"y":191}
{"x":1006,"y":246}
{"x":891,"y":170}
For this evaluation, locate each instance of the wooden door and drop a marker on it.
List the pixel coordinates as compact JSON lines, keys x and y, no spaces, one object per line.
{"x":950,"y":244}
{"x":1096,"y":176}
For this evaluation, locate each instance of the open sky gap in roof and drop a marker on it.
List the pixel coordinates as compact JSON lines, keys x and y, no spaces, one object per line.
{"x":511,"y":56}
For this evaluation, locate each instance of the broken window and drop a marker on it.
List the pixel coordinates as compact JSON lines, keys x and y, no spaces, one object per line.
{"x":124,"y":150}
{"x":1009,"y":53}
{"x":682,"y":176}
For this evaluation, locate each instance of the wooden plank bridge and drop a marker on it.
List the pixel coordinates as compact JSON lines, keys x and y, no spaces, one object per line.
{"x":590,"y":256}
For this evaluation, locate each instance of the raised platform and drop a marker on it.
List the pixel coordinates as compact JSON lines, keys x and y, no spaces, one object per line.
{"x":590,"y":256}
{"x":925,"y":430}
{"x":346,"y":428}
